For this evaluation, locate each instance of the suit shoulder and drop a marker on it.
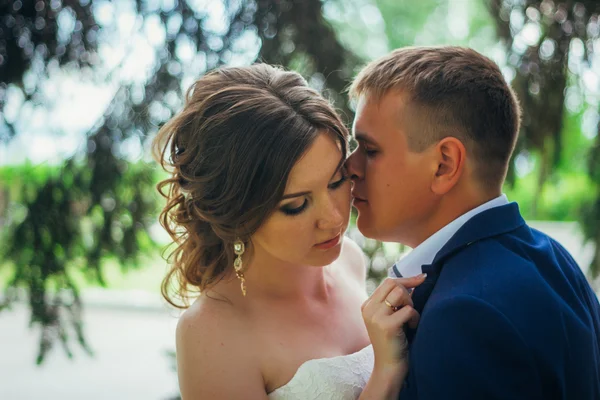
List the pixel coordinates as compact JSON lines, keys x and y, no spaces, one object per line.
{"x":485,"y":255}
{"x":467,"y":307}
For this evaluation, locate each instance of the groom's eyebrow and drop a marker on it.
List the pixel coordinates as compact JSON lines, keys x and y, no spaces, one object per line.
{"x":363,"y":137}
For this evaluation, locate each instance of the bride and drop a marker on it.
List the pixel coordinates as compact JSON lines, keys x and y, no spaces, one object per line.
{"x":258,"y":201}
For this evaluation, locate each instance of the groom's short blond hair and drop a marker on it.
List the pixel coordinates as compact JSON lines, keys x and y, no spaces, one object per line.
{"x":452,"y":91}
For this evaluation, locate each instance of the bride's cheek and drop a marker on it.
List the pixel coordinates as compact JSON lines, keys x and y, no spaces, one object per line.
{"x":345,"y":199}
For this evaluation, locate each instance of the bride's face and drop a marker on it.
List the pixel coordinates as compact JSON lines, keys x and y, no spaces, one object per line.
{"x":308,"y":225}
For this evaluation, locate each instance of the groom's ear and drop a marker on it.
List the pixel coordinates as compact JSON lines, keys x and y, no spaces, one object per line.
{"x":451,"y":156}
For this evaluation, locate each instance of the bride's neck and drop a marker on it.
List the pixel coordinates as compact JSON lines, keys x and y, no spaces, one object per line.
{"x":271,"y":278}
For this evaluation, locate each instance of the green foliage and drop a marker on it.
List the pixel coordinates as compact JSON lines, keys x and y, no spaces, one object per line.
{"x":31,"y":40}
{"x":549,"y":47}
{"x":52,"y":228}
{"x":562,"y":198}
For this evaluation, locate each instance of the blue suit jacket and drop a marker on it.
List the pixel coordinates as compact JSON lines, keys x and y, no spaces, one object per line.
{"x":506,"y":313}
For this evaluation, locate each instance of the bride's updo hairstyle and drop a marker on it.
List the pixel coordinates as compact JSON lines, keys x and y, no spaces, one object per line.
{"x":228,"y":154}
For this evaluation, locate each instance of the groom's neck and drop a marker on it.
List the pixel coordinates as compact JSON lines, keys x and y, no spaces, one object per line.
{"x":450,"y":207}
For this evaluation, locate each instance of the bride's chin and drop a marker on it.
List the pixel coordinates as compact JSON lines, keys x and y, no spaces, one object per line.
{"x":326,"y":258}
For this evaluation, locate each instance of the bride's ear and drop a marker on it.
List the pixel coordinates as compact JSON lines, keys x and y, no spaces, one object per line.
{"x":451,"y":156}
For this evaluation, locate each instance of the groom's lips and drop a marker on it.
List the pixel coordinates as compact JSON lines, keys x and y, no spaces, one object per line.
{"x":358,"y":198}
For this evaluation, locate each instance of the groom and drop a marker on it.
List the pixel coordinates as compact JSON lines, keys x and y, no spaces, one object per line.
{"x":506,"y":313}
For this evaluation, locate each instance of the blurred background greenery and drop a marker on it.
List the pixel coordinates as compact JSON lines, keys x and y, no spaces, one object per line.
{"x":85,"y":85}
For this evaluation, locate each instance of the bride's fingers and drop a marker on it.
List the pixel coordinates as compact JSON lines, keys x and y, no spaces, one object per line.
{"x":406,"y":315}
{"x":364,"y":305}
{"x":398,"y":298}
{"x":412,"y":282}
{"x":380,"y":294}
{"x":383,"y":290}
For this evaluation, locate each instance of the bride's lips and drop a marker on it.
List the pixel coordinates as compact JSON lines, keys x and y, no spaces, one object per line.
{"x":329,"y":243}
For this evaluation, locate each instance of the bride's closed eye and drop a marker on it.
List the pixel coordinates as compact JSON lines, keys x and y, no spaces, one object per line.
{"x":339,"y":182}
{"x":289,"y":210}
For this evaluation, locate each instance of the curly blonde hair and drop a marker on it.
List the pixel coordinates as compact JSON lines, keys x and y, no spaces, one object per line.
{"x":229,"y":153}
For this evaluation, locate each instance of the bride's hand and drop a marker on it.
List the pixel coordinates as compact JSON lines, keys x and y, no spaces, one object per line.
{"x":385,"y":313}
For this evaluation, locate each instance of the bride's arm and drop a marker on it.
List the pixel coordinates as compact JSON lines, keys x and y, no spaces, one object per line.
{"x":385,"y":327}
{"x":384,"y":384}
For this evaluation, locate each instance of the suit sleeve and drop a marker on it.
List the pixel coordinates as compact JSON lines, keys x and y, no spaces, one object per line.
{"x":466,"y":349}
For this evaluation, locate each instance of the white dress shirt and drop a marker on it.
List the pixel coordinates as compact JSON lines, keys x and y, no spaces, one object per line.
{"x":424,"y":254}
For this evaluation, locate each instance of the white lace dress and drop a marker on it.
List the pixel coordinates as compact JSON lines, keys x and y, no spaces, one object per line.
{"x":335,"y":378}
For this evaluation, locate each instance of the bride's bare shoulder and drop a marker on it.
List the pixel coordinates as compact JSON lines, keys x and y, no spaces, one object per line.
{"x":211,"y":349}
{"x":209,"y":320}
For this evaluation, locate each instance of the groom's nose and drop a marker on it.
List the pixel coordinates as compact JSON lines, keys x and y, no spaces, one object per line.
{"x":355,"y":166}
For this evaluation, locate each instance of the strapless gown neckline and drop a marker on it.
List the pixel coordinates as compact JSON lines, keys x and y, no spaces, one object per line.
{"x":333,"y":378}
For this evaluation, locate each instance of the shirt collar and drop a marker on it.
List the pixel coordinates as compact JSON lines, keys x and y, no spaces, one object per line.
{"x":424,"y":254}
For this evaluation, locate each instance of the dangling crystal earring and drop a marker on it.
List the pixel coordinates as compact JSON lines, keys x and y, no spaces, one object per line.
{"x":238,"y":249}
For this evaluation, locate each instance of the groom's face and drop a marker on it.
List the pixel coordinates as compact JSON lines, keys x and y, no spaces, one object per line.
{"x":392,"y":184}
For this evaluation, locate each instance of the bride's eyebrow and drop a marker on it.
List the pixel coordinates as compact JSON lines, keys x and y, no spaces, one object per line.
{"x":291,"y":195}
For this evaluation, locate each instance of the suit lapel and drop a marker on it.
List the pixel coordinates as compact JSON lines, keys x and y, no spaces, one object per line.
{"x":421,"y":294}
{"x":490,"y":223}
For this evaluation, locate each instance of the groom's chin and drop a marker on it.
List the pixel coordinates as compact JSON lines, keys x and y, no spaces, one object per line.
{"x":365,"y":227}
{"x":364,"y":220}
{"x":370,"y":229}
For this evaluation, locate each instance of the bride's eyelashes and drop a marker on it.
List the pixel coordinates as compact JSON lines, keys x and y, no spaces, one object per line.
{"x":287,"y":210}
{"x":339,"y":183}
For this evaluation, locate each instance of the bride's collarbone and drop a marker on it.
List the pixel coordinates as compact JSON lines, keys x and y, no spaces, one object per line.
{"x":309,"y":313}
{"x":286,"y":342}
{"x":281,"y":336}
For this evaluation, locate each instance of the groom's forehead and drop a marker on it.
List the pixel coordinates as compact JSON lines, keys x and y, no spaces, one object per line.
{"x":370,"y":109}
{"x":362,"y":120}
{"x":389,"y":112}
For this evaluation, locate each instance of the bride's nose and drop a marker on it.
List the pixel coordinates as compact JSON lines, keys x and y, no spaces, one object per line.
{"x":331,"y":216}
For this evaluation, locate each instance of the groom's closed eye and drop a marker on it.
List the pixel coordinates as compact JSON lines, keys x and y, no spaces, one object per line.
{"x":366,"y":145}
{"x":369,"y":152}
{"x":368,"y":149}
